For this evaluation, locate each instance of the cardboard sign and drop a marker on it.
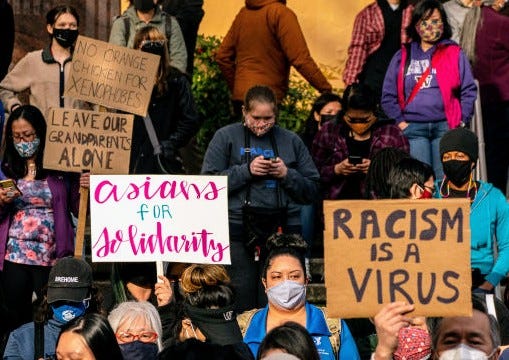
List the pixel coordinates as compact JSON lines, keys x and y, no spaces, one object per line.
{"x":112,"y":76}
{"x":159,"y":217}
{"x":79,"y":140}
{"x":416,"y":251}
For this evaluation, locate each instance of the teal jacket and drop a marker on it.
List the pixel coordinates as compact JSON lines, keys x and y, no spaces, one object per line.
{"x":489,"y":218}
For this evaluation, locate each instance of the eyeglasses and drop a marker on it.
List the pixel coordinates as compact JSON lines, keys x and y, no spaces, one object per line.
{"x":427,"y":22}
{"x":25,"y":136}
{"x":144,"y":336}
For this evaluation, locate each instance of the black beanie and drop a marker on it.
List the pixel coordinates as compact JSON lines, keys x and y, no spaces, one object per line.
{"x":460,"y":139}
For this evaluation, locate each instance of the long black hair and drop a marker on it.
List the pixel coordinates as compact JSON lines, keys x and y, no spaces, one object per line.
{"x":13,"y":165}
{"x":97,"y":333}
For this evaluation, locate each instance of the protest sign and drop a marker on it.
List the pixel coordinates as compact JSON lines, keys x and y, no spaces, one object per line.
{"x":79,"y":140}
{"x":159,"y":217}
{"x":113,"y":76}
{"x":380,"y":251}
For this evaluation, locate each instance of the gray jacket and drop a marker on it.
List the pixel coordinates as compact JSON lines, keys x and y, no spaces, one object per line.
{"x":225,"y":155}
{"x":177,"y":46}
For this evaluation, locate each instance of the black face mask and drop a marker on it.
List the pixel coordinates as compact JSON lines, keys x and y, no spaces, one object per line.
{"x":144,"y":5}
{"x":326,"y":118}
{"x":457,"y":171}
{"x":65,"y":37}
{"x":153,"y":47}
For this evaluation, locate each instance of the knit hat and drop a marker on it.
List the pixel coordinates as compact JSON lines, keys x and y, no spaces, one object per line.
{"x":460,"y":139}
{"x":70,"y":279}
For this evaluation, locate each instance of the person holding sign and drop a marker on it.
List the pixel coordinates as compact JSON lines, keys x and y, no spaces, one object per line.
{"x":35,"y":225}
{"x":270,"y":175}
{"x":284,"y":280}
{"x":489,"y":214}
{"x":172,"y":112}
{"x":44,"y":72}
{"x":343,"y":148}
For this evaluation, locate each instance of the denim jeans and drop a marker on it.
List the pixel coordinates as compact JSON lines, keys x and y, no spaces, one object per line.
{"x":424,"y":139}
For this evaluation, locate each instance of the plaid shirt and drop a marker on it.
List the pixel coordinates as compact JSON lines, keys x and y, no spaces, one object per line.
{"x":330,"y":148}
{"x":368,"y":33}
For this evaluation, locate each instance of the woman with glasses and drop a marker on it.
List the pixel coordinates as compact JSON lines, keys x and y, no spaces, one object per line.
{"x":88,"y":338}
{"x":172,"y":112}
{"x":36,"y":227}
{"x":44,"y":72}
{"x":342,"y":148}
{"x":138,"y":329}
{"x":429,"y":87}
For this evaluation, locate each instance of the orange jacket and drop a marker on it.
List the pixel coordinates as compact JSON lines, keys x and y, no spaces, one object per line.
{"x":264,"y":40}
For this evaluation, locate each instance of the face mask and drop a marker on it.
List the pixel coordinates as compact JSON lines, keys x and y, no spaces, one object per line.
{"x":65,"y":37}
{"x":360,"y":126}
{"x":27,"y":149}
{"x":413,"y":344}
{"x":430,"y":30}
{"x":426,"y":194}
{"x":144,"y":5}
{"x":138,"y":350}
{"x":326,"y":118}
{"x":457,"y":171}
{"x":66,"y":312}
{"x":464,"y":352}
{"x":153,"y":47}
{"x":287,"y":294}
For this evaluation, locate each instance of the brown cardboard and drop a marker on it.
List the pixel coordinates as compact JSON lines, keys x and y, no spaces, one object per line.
{"x":79,"y":140}
{"x":369,"y":242}
{"x":112,"y":76}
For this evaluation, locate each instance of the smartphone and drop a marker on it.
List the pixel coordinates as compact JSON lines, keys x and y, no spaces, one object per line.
{"x":9,"y":184}
{"x":355,"y":159}
{"x":271,"y":158}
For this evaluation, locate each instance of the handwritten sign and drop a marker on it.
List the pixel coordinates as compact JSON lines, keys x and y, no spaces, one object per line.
{"x":159,"y":217}
{"x":79,"y":140}
{"x":111,"y":75}
{"x":377,"y":252}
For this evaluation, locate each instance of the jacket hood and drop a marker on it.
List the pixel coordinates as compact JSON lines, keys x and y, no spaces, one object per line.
{"x":256,"y":4}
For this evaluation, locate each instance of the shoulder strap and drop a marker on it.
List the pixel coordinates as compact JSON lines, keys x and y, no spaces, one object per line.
{"x":244,"y":320}
{"x":127,"y":28}
{"x":38,"y":340}
{"x":167,"y":27}
{"x":334,"y":325}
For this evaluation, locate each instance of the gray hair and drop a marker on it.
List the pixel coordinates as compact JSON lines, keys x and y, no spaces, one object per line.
{"x":471,"y":23}
{"x":132,"y":310}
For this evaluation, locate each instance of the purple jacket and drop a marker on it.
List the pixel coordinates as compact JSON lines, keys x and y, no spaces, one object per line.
{"x":329,"y":148}
{"x":63,"y":204}
{"x":492,"y":56}
{"x":431,"y":102}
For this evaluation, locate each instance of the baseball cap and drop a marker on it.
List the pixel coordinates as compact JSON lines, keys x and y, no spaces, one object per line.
{"x":218,"y":325}
{"x":70,"y":280}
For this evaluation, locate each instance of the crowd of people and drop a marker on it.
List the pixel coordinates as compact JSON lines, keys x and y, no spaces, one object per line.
{"x":399,"y":130}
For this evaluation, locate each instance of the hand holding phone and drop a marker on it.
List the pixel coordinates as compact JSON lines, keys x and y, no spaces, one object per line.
{"x":355,"y":159}
{"x":10,"y":186}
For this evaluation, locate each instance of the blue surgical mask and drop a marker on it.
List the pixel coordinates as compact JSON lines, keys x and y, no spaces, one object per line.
{"x":464,"y":352}
{"x":27,"y":149}
{"x":138,"y":350}
{"x":68,"y":311}
{"x":287,"y":294}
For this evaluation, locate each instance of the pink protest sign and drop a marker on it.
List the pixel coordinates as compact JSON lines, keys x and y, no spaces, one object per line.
{"x":175,"y":218}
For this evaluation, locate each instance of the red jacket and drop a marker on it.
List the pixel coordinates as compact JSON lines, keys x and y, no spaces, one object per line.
{"x":264,"y":40}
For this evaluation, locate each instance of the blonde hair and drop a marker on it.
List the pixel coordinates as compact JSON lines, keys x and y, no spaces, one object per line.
{"x":198,"y":276}
{"x":153,"y":33}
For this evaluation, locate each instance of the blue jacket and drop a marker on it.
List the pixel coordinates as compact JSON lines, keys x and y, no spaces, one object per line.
{"x":20,"y":345}
{"x":317,"y":328}
{"x":489,"y":215}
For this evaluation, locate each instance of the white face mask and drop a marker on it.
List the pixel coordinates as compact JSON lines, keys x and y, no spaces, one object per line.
{"x":464,"y":352}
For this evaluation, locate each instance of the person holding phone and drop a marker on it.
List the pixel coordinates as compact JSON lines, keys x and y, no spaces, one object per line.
{"x":342,"y":148}
{"x":35,"y":216}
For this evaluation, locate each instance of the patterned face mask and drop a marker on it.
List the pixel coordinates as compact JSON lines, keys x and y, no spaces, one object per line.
{"x":430,"y":30}
{"x":27,"y":149}
{"x":413,"y":344}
